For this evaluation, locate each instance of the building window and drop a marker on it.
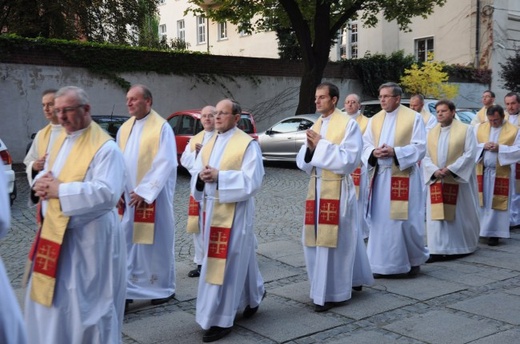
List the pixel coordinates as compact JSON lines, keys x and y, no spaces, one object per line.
{"x":353,"y":40}
{"x":181,"y":31}
{"x":201,"y":30}
{"x":222,"y":31}
{"x":162,"y":32}
{"x":423,"y":46}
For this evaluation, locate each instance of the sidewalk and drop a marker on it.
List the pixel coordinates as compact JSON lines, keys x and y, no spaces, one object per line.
{"x":475,"y":299}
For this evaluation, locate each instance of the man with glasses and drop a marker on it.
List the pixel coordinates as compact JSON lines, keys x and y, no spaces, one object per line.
{"x":488,"y":99}
{"x":498,"y":150}
{"x":77,"y":288}
{"x":394,"y":143}
{"x":207,"y":118}
{"x":228,"y":172}
{"x":150,"y":152}
{"x":42,"y":143}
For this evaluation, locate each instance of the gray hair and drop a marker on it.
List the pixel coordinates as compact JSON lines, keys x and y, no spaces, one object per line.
{"x":78,"y":93}
{"x":396,"y":89}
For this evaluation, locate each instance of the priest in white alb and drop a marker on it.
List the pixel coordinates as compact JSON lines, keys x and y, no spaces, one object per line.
{"x":194,"y":225}
{"x":498,"y":150}
{"x":76,"y":292}
{"x":150,"y":153}
{"x":330,"y":235}
{"x":230,"y":173}
{"x":453,"y":224}
{"x":512,"y":103}
{"x":12,"y":326}
{"x":394,"y":143}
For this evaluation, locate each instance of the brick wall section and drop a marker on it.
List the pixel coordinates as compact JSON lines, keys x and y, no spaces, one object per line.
{"x":124,"y":60}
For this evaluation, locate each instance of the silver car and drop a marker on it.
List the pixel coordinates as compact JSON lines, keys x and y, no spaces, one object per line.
{"x":283,"y":140}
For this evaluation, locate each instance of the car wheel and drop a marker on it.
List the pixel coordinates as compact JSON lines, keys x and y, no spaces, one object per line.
{"x":13,"y":194}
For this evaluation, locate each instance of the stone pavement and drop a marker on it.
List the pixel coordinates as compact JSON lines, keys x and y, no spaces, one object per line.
{"x":472,"y":300}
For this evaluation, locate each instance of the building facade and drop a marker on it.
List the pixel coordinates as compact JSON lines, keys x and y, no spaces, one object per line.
{"x":480,"y":33}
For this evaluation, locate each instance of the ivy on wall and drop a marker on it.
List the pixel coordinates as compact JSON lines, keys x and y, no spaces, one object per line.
{"x":109,"y":60}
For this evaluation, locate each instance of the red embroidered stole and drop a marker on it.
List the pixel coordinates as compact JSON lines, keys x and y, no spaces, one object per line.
{"x":502,"y":173}
{"x":444,"y":193}
{"x":45,"y":251}
{"x":144,"y":216}
{"x":400,"y":181}
{"x":193,"y":207}
{"x":325,"y":233}
{"x":362,"y":121}
{"x":223,"y":214}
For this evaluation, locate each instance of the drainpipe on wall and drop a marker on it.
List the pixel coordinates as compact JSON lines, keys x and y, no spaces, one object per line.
{"x":477,"y":34}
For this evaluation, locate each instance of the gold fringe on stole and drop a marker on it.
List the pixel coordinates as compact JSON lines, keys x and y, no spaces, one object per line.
{"x":144,"y":222}
{"x":444,"y":193}
{"x":223,"y":214}
{"x":48,"y":246}
{"x":400,"y":181}
{"x":502,"y":173}
{"x":325,"y":233}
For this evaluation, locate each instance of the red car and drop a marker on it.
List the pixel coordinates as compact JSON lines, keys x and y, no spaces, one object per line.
{"x":186,"y":124}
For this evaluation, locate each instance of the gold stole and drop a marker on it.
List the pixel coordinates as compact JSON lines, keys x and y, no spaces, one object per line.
{"x":325,"y":234}
{"x":444,"y":193}
{"x":46,"y":249}
{"x":482,"y":115}
{"x":400,"y":182}
{"x":193,"y":207}
{"x":362,"y":121}
{"x":44,"y":139}
{"x":223,"y":213}
{"x":144,"y":216}
{"x":517,"y":166}
{"x":502,"y":173}
{"x":425,"y":116}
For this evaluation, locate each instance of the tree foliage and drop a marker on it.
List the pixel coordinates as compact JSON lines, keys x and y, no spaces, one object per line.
{"x":113,"y":21}
{"x":315,"y":24}
{"x":374,"y":70}
{"x":510,"y":72}
{"x":429,"y":80}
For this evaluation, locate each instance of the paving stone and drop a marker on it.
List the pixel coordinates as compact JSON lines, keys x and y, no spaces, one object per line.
{"x":442,"y":327}
{"x":499,"y":306}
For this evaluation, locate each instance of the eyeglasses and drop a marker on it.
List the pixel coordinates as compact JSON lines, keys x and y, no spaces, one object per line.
{"x":385,"y":96}
{"x":67,"y":110}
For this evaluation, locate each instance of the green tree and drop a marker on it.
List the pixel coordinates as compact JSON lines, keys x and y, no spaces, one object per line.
{"x":114,"y":21}
{"x":510,"y":72}
{"x":315,"y":23}
{"x":429,"y":79}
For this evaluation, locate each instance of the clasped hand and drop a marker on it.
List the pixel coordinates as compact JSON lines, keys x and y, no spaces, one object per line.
{"x":385,"y":151}
{"x":312,"y":139}
{"x":47,"y":186}
{"x":209,"y":175}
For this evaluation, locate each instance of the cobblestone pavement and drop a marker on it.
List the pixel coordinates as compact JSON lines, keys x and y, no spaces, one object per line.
{"x":472,"y":300}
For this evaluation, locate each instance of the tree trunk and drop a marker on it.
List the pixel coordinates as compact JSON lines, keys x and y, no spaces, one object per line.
{"x":311,"y":78}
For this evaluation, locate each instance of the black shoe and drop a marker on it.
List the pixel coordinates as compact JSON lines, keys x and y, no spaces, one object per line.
{"x":414,"y":271}
{"x":249,"y":312}
{"x":434,"y":258}
{"x":215,"y":333}
{"x":163,"y":300}
{"x":326,"y":306}
{"x":492,"y":241}
{"x":127,"y":304}
{"x":378,"y":276}
{"x":195,"y":272}
{"x":358,"y":288}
